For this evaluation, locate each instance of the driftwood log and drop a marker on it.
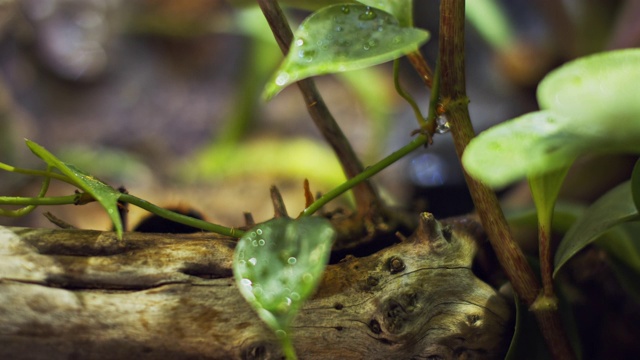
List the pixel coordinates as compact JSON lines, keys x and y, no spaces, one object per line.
{"x":72,"y":294}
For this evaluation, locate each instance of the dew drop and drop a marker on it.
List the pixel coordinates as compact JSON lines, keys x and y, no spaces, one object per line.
{"x":292,"y":260}
{"x":339,"y":28}
{"x":258,"y":291}
{"x":380,"y":28}
{"x":345,"y":9}
{"x":299,"y":42}
{"x":442,"y":124}
{"x":307,"y":277}
{"x":254,"y":242}
{"x":253,"y":261}
{"x":281,"y":334}
{"x":253,"y":234}
{"x":295,"y":296}
{"x":366,"y":47}
{"x":306,"y":55}
{"x":259,"y":231}
{"x":261,"y":242}
{"x":246,"y":282}
{"x":282,"y":79}
{"x":396,"y":40}
{"x":368,"y":14}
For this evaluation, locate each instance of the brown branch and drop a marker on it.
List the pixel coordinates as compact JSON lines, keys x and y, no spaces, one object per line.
{"x":87,"y":295}
{"x":420,"y":65}
{"x":367,"y":201}
{"x":452,"y":87}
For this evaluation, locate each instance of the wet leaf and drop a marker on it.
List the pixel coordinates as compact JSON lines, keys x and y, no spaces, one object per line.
{"x":344,"y":37}
{"x":103,"y":193}
{"x":278,"y":264}
{"x":590,"y":106}
{"x":400,"y":9}
{"x":613,"y":208}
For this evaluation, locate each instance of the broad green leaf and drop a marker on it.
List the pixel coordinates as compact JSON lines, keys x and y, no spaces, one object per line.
{"x":635,"y":185}
{"x":400,"y":9}
{"x":344,"y":37}
{"x":103,"y":193}
{"x":590,"y":106}
{"x":278,"y":264}
{"x":613,"y":208}
{"x":529,"y":145}
{"x":600,"y":92}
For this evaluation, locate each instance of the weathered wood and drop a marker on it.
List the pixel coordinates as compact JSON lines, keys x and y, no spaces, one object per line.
{"x":68,"y":294}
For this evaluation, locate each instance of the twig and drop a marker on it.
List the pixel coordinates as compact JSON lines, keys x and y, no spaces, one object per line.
{"x":511,"y":257}
{"x":367,"y":201}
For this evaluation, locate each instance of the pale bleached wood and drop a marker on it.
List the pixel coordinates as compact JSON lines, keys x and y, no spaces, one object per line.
{"x":70,"y":294}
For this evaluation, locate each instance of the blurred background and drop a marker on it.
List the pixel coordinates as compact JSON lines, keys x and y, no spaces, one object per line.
{"x":163,"y":97}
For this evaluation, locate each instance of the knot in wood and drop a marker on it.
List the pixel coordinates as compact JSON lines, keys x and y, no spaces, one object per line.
{"x":396,"y":265}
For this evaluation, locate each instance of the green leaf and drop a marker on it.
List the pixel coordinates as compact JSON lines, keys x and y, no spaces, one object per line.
{"x":400,"y":9}
{"x":635,"y":184}
{"x":613,"y":208}
{"x":599,"y":91}
{"x":344,"y":37}
{"x":529,"y":145}
{"x":103,"y":193}
{"x":278,"y":264}
{"x":590,"y":106}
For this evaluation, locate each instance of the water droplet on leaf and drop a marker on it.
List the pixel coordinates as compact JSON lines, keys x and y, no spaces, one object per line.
{"x":345,"y":9}
{"x":282,"y":79}
{"x":368,"y":14}
{"x":292,"y":260}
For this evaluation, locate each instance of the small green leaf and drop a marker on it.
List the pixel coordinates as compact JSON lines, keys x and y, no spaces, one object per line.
{"x":635,"y":184}
{"x":344,"y":37}
{"x":613,"y":208}
{"x":278,"y":264}
{"x":400,"y":9}
{"x":103,"y":193}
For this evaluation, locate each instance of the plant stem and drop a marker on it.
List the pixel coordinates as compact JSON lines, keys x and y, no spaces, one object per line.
{"x":406,"y":96}
{"x":452,"y":86}
{"x":420,"y":65}
{"x":179,"y":218}
{"x":367,"y":201}
{"x":37,"y":201}
{"x":417,"y":142}
{"x":43,"y":173}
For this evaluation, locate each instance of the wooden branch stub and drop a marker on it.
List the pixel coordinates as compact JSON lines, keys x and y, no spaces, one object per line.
{"x":84,"y":294}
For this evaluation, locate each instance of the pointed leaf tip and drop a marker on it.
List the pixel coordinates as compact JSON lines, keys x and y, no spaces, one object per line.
{"x":341,"y":38}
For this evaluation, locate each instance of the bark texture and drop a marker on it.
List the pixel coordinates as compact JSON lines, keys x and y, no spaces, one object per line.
{"x":71,"y":294}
